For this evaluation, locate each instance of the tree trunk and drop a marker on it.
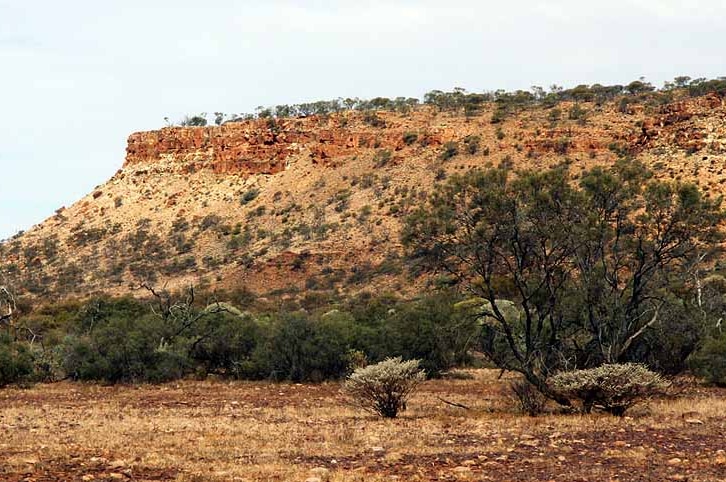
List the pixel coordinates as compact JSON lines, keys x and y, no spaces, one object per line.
{"x":546,"y":390}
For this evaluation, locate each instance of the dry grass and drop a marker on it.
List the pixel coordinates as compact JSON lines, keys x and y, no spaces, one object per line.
{"x":214,"y":431}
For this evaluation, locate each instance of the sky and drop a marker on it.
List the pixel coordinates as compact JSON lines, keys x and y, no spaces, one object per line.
{"x":78,"y":76}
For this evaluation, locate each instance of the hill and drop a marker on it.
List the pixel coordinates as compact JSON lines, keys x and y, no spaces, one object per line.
{"x":282,"y":205}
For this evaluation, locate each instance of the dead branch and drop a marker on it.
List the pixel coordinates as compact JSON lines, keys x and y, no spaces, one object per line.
{"x":454,"y":404}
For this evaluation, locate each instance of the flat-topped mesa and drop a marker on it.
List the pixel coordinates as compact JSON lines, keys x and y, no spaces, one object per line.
{"x":254,"y":147}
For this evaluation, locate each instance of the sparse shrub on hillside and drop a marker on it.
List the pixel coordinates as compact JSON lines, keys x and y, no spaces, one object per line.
{"x":382,"y":157}
{"x":409,"y":138}
{"x":457,"y":101}
{"x":181,"y":243}
{"x":257,"y":212}
{"x":84,"y":237}
{"x":562,"y":145}
{"x":451,"y":149}
{"x":68,"y":278}
{"x":50,"y":247}
{"x":639,"y":87}
{"x":341,"y":200}
{"x":240,"y":241}
{"x":620,"y":149}
{"x":698,"y":87}
{"x":209,"y":221}
{"x":577,"y":112}
{"x":30,"y":253}
{"x":365,"y":213}
{"x":389,"y":266}
{"x":498,"y":116}
{"x":624,"y":106}
{"x":471,"y":144}
{"x":373,"y":120}
{"x":361,"y":273}
{"x":507,"y":163}
{"x":210,"y":262}
{"x":173,"y":266}
{"x":143,"y":271}
{"x":249,"y":196}
{"x":367,"y":180}
{"x":614,"y":388}
{"x":179,"y":225}
{"x":554,"y":115}
{"x":219,"y":118}
{"x":385,"y":387}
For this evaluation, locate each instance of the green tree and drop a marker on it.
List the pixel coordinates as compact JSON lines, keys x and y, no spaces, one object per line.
{"x":588,"y":268}
{"x":432,"y":331}
{"x":199,"y":120}
{"x":639,"y":87}
{"x":16,"y":362}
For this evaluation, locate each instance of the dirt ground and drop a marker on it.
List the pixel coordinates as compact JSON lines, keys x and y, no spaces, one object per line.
{"x":219,"y":431}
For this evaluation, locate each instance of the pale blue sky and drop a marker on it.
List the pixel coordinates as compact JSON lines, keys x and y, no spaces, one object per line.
{"x":79,"y":76}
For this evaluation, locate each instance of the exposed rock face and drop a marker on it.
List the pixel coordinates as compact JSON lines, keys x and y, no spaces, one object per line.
{"x":232,"y":148}
{"x":255,"y":147}
{"x":691,"y":125}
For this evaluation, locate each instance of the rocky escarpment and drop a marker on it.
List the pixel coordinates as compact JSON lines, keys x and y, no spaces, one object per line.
{"x":258,"y":147}
{"x":692,"y":125}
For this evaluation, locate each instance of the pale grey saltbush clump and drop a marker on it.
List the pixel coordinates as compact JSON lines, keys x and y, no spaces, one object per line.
{"x":384,"y":388}
{"x":613,"y":387}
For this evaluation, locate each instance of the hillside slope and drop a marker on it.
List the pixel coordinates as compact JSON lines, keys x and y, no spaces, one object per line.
{"x":317,"y":203}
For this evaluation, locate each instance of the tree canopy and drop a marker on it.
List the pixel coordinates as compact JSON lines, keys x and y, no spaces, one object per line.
{"x":567,"y":274}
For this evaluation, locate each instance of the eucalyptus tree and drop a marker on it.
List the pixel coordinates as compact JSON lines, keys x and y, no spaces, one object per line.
{"x":566,"y":273}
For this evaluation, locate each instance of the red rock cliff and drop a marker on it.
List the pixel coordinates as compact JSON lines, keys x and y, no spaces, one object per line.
{"x":255,"y":147}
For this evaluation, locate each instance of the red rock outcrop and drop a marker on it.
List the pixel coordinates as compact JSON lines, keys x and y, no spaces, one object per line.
{"x":678,"y":124}
{"x":257,"y":146}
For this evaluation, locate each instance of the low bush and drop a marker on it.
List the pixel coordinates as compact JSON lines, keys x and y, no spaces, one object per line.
{"x":409,"y":138}
{"x":709,"y":362}
{"x":471,"y":144}
{"x":299,"y":348}
{"x":16,"y":362}
{"x":577,"y":112}
{"x":382,"y":157}
{"x":432,"y":331}
{"x":614,"y":388}
{"x":385,"y":387}
{"x":124,"y":350}
{"x":230,"y":341}
{"x":451,"y":149}
{"x":373,"y":120}
{"x":249,"y":195}
{"x":667,"y":345}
